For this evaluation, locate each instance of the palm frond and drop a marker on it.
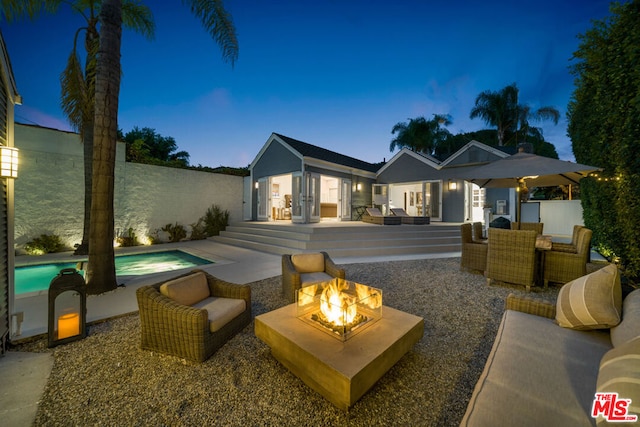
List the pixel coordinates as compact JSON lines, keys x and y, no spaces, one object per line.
{"x":218,"y":22}
{"x":73,"y":86}
{"x":139,"y":18}
{"x":12,"y":10}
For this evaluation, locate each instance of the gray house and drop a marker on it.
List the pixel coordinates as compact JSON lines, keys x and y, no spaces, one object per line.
{"x":8,"y":98}
{"x":295,"y":181}
{"x":303,"y":183}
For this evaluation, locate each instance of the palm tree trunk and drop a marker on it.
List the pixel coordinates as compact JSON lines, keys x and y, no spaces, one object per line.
{"x":87,"y":143}
{"x":101,"y":273}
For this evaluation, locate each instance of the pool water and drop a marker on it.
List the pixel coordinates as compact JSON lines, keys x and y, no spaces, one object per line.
{"x":33,"y":278}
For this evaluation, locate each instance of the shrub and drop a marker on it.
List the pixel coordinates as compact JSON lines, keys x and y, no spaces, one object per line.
{"x":128,"y":238}
{"x":176,"y":232}
{"x":198,"y":231}
{"x":215,"y":220}
{"x":44,"y":244}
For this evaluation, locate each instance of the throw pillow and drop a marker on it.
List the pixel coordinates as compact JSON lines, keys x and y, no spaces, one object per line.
{"x":620,"y":373}
{"x":593,"y":301}
{"x":629,"y":328}
{"x":187,"y":290}
{"x":308,"y":263}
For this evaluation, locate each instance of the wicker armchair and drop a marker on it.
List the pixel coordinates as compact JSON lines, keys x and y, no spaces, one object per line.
{"x":511,"y":257}
{"x":535,"y":226}
{"x":563,"y":267}
{"x":185,"y":331}
{"x":478,"y":235}
{"x":568,"y":247}
{"x":310,"y":269}
{"x":474,"y":253}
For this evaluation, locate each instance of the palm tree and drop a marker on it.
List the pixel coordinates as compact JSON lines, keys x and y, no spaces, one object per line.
{"x":420,"y":134}
{"x":101,"y":267}
{"x":499,"y":109}
{"x":525,"y":114}
{"x":78,"y":86}
{"x":214,"y":17}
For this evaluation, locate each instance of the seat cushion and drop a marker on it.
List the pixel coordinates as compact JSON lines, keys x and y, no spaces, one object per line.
{"x":537,"y":374}
{"x":309,"y":278}
{"x":629,"y":327}
{"x":221,"y":310}
{"x":620,"y":373}
{"x":187,"y":290}
{"x":593,"y":301}
{"x":308,"y":263}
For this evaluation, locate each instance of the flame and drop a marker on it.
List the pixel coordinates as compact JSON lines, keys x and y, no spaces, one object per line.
{"x":337,"y":307}
{"x":368,"y":296}
{"x":306,"y":294}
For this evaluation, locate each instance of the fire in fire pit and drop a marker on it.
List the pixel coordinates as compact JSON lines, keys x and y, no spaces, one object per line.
{"x":339,"y":307}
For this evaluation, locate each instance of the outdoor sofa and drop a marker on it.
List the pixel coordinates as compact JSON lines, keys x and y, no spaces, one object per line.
{"x":549,"y":360}
{"x":192,"y":315}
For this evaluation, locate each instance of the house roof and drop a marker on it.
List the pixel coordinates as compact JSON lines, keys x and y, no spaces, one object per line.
{"x":313,"y":151}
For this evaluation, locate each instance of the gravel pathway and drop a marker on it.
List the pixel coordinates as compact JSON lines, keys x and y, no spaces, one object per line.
{"x":106,"y":379}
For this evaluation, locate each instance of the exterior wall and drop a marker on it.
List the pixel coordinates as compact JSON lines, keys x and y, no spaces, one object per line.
{"x":276,"y":160}
{"x":473,"y":155}
{"x":407,"y":169}
{"x":50,"y":190}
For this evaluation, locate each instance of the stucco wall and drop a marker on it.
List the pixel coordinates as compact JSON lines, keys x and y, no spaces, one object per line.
{"x":50,"y":190}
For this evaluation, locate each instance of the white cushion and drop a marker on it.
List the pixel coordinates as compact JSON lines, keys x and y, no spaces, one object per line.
{"x":221,"y":310}
{"x":593,"y":301}
{"x":187,"y":290}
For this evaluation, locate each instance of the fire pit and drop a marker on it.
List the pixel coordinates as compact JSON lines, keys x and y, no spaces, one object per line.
{"x":339,"y":307}
{"x":367,"y":345}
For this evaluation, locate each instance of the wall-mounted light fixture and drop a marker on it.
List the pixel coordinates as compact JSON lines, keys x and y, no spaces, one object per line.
{"x":256,"y":185}
{"x":358,"y":187}
{"x":453,"y":186}
{"x":8,"y":162}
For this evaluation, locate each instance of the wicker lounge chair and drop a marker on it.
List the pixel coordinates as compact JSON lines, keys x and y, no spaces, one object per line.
{"x":568,"y":247}
{"x":511,"y":257}
{"x":304,"y":269}
{"x":374,"y":216}
{"x":535,"y":226}
{"x":563,"y":267}
{"x":192,"y":332}
{"x":408,"y":219}
{"x":474,"y":253}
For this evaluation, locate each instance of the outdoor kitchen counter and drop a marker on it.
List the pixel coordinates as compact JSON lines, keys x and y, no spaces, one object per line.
{"x":340,"y":371}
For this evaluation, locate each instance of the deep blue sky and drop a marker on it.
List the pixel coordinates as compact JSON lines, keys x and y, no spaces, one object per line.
{"x":335,"y":73}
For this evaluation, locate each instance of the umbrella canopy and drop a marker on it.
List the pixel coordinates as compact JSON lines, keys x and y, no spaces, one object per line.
{"x":528,"y":170}
{"x":537,"y":171}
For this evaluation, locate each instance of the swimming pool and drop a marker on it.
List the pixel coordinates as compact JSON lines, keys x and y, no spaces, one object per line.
{"x":33,"y":278}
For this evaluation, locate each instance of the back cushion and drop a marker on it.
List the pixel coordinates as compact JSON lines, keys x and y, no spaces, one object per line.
{"x":187,"y":290}
{"x":308,"y":263}
{"x":629,"y":328}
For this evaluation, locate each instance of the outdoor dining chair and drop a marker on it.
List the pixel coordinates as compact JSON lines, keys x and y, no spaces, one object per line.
{"x":474,"y":253}
{"x":535,"y":226}
{"x":511,"y":257}
{"x":563,"y":267}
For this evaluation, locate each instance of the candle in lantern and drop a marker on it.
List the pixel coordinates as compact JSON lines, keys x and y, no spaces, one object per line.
{"x":68,"y":325}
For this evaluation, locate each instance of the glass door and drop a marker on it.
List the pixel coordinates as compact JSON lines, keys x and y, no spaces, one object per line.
{"x":263,"y":199}
{"x":345,"y":200}
{"x":432,"y":199}
{"x":312,"y":201}
{"x":380,"y":197}
{"x":296,"y":198}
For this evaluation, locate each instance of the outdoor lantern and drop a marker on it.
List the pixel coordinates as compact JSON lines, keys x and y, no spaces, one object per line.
{"x":358,"y":187}
{"x":453,"y":185}
{"x":67,"y":307}
{"x":8,"y":162}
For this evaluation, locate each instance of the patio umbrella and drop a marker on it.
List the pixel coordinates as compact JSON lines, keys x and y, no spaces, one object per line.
{"x":524,"y":170}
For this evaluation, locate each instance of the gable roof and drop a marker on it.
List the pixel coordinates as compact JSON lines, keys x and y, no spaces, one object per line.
{"x":424,"y":158}
{"x":313,"y":151}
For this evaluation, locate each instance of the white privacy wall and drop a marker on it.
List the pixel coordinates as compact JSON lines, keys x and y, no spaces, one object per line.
{"x":49,"y":191}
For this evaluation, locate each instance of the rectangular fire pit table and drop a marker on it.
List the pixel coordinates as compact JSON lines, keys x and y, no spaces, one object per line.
{"x":340,"y":371}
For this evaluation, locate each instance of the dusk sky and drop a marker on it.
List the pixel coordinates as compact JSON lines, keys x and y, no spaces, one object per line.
{"x":334,"y":73}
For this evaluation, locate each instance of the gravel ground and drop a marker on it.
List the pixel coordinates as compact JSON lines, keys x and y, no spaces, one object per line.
{"x":106,"y":379}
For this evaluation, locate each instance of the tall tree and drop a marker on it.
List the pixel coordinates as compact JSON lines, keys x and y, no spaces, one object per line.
{"x":147,"y":146}
{"x":498,"y":109}
{"x":218,"y":22}
{"x":421,"y":135}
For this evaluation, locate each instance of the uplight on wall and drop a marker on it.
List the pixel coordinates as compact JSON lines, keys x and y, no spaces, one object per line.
{"x":8,"y":162}
{"x":453,"y":185}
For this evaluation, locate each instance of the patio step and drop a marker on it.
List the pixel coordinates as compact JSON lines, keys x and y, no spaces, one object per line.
{"x":343,"y":240}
